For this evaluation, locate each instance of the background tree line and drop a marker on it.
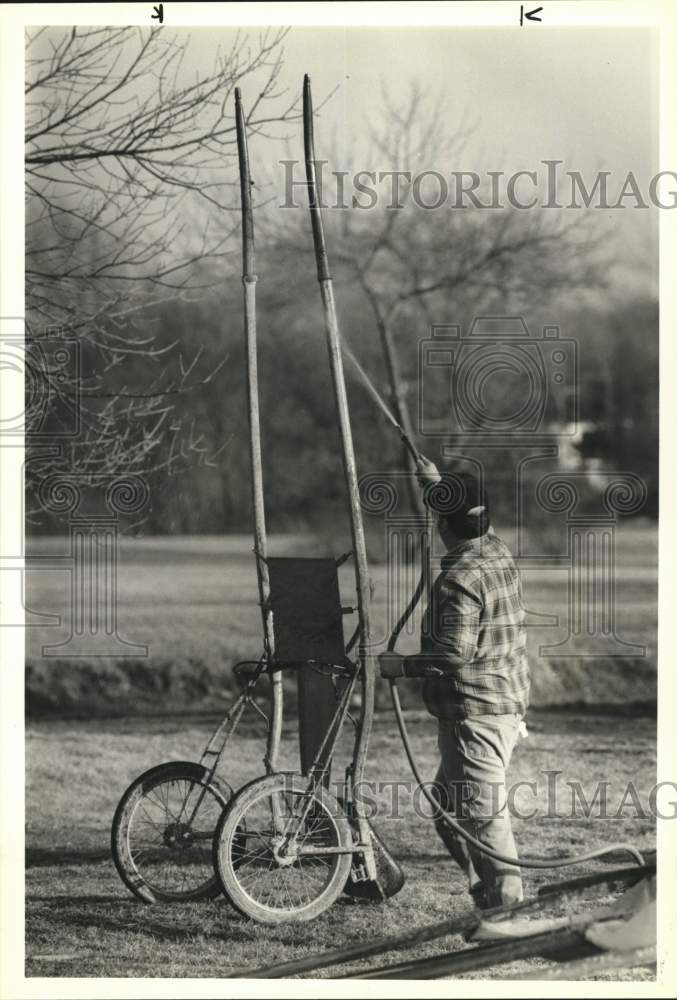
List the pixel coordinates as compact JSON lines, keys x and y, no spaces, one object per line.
{"x":133,"y":255}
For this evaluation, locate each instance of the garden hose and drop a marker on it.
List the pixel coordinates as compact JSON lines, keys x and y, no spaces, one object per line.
{"x":446,"y":817}
{"x":574,"y":859}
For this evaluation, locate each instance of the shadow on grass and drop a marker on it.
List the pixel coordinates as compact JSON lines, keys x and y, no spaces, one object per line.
{"x":134,"y":917}
{"x":113,"y":899}
{"x":37,"y":857}
{"x":150,"y":928}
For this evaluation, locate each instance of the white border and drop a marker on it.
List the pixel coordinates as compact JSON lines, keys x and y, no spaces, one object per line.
{"x":13,"y":20}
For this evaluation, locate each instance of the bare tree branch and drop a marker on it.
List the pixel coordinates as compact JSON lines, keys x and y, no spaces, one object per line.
{"x":130,"y":159}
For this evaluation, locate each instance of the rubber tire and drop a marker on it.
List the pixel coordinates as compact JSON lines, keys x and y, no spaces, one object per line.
{"x":233,"y":821}
{"x":158,"y":775}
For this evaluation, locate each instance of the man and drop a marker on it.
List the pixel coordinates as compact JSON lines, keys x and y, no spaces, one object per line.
{"x":473,"y":658}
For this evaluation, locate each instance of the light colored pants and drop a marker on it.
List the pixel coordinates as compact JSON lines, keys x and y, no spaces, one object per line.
{"x":471,"y":785}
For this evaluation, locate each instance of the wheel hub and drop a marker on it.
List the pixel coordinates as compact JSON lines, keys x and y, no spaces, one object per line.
{"x":284,"y":851}
{"x":178,"y":836}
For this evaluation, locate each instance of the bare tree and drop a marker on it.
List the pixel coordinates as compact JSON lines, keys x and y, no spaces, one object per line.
{"x":414,"y":265}
{"x":129,"y":160}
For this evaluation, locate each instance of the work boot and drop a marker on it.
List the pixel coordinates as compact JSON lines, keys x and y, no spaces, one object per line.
{"x":506,"y":892}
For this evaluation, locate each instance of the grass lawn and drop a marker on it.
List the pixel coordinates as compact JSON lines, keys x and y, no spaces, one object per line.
{"x":193,"y":603}
{"x":81,"y":920}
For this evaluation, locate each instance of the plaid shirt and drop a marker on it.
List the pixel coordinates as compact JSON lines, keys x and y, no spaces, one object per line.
{"x":473,"y":632}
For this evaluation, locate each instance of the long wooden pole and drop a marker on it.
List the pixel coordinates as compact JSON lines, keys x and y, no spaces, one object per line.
{"x":399,"y":401}
{"x":350,"y":471}
{"x":469,"y":959}
{"x":249,"y":278}
{"x":413,"y":936}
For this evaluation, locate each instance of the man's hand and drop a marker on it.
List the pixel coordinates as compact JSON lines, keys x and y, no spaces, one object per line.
{"x":423,"y":668}
{"x":427,"y":472}
{"x":392,"y":665}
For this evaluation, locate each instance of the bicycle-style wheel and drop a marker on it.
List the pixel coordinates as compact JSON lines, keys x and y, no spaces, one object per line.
{"x":163,"y":831}
{"x":276,"y":864}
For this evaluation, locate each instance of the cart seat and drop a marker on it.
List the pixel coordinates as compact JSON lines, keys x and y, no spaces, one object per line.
{"x":308,"y":630}
{"x":307,"y":612}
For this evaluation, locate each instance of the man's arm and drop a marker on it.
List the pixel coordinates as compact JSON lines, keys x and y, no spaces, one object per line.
{"x":456,"y":632}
